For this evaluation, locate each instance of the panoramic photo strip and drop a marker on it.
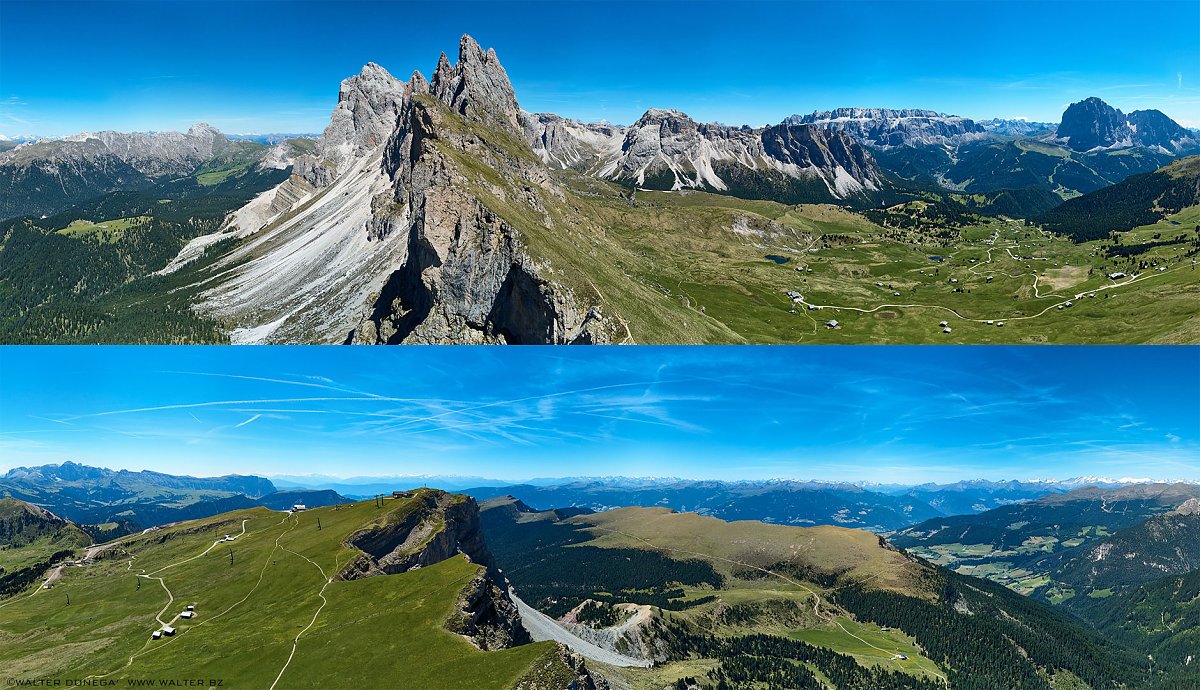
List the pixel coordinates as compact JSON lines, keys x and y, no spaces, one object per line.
{"x":600,"y":344}
{"x":649,"y":517}
{"x":551,"y":173}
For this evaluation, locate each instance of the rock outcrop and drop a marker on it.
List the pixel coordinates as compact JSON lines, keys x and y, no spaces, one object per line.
{"x":1188,"y":507}
{"x":467,"y":276}
{"x":565,"y":671}
{"x":666,"y":149}
{"x":408,"y":224}
{"x":638,"y":635}
{"x":429,"y":528}
{"x":477,"y":87}
{"x":368,"y":105}
{"x":487,"y":617}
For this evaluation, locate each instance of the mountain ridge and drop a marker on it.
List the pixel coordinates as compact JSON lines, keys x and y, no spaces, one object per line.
{"x":1092,"y":124}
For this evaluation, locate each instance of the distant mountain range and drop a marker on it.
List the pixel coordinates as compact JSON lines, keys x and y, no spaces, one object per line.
{"x":791,"y":503}
{"x":880,"y":507}
{"x":886,"y":128}
{"x":666,"y":149}
{"x":1076,"y":546}
{"x":46,"y":176}
{"x":446,"y":213}
{"x":1015,"y":128}
{"x":92,"y":495}
{"x":86,"y":494}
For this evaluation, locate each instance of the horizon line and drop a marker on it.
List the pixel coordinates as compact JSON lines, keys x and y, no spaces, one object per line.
{"x":31,"y":137}
{"x":1084,"y":480}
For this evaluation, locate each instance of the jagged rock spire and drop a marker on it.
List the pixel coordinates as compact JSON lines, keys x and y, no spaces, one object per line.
{"x":368,"y":105}
{"x":418,"y":84}
{"x":477,"y":86}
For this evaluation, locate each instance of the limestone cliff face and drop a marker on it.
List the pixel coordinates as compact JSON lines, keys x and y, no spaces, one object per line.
{"x":412,"y":222}
{"x":487,"y":617}
{"x":431,"y":527}
{"x":468,"y":276}
{"x":368,"y":105}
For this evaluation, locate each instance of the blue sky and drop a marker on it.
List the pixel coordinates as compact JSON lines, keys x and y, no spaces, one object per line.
{"x":275,"y":66}
{"x":886,"y":414}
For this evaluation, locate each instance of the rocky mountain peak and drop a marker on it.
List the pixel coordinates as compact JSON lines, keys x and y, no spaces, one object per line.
{"x":1154,"y":124}
{"x":418,"y":84}
{"x":477,"y":86}
{"x":203,"y":130}
{"x":444,"y":70}
{"x":659,"y":115}
{"x":369,"y":104}
{"x":1092,"y":123}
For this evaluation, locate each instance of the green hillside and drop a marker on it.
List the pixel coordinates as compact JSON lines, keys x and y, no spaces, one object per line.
{"x":741,"y":604}
{"x":1065,"y":547}
{"x":667,"y":267}
{"x":1163,"y":618}
{"x":270,"y":608}
{"x":1137,"y":201}
{"x":31,"y":539}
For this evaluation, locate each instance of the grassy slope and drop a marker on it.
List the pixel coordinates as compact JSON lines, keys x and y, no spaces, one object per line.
{"x":691,"y":267}
{"x":105,"y":232}
{"x":854,"y":555}
{"x":36,"y":542}
{"x":673,"y":269}
{"x":249,"y":612}
{"x":851,"y":553}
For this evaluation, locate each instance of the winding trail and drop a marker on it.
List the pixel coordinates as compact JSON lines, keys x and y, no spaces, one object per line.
{"x":628,"y":334}
{"x":147,"y":648}
{"x":324,"y":601}
{"x":56,"y":573}
{"x":162,"y":581}
{"x":1137,"y":278}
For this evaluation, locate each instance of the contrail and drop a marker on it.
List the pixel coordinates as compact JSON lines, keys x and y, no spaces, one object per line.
{"x":271,"y":380}
{"x":247,"y":421}
{"x":217,"y":403}
{"x":48,"y":419}
{"x":543,"y":396}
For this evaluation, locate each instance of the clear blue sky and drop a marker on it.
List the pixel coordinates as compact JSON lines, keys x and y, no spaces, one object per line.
{"x":275,"y":66}
{"x":887,"y":414}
